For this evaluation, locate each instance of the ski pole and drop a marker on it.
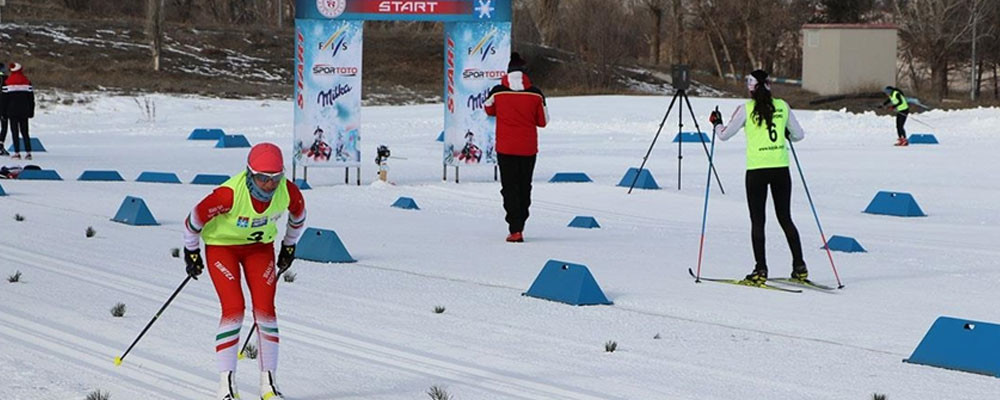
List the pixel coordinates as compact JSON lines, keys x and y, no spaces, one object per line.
{"x":704,"y":214}
{"x":923,"y":123}
{"x":815,"y":215}
{"x":118,"y":360}
{"x":253,"y":328}
{"x":702,"y":138}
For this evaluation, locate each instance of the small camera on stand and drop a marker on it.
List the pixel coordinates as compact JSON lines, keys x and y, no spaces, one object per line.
{"x":680,"y":76}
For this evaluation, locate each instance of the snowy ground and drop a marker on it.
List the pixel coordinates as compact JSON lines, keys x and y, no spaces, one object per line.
{"x":367,"y":330}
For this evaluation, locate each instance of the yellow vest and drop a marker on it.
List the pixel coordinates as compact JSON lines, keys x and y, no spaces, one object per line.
{"x":766,"y":148}
{"x":242,"y":224}
{"x":899,"y":101}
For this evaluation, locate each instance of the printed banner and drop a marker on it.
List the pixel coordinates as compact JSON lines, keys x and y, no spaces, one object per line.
{"x":476,"y":57}
{"x":328,"y":93}
{"x":406,"y":10}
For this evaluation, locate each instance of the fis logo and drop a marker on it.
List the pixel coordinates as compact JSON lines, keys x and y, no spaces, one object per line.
{"x":339,"y":38}
{"x":485,"y":47}
{"x":242,"y":222}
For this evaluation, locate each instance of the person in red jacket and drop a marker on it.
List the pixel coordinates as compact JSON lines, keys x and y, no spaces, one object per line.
{"x":238,"y":222}
{"x":17,"y":105}
{"x":520,"y":110}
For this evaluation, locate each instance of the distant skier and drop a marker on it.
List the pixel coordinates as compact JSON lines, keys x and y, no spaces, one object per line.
{"x":238,"y":221}
{"x":17,"y":105}
{"x":765,"y":120}
{"x":520,"y":110}
{"x":897,"y":101}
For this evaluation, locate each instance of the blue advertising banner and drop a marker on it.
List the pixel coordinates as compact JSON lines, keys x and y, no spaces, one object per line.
{"x":406,"y":10}
{"x":476,"y":57}
{"x":328,"y":93}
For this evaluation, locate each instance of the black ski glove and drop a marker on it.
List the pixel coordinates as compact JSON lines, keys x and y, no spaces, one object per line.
{"x":194,"y":263}
{"x":285,"y":257}
{"x":715,"y":118}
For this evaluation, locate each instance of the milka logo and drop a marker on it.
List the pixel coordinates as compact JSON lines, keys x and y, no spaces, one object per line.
{"x":485,"y":46}
{"x":329,"y":97}
{"x":477,"y":101}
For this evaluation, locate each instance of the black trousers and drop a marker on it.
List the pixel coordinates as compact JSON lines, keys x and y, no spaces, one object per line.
{"x":515,"y":182}
{"x":3,"y":130}
{"x":780,"y":181}
{"x":19,"y":126}
{"x":900,"y":121}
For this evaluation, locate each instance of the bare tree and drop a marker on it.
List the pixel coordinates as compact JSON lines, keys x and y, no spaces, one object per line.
{"x":154,"y":30}
{"x":602,"y":37}
{"x":184,"y":9}
{"x":677,"y":54}
{"x":655,"y":9}
{"x":546,"y":16}
{"x":930,"y":30}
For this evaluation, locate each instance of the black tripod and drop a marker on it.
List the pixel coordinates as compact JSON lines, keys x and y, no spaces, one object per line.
{"x":680,"y":140}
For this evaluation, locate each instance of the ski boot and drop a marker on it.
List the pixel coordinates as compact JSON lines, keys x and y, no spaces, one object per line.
{"x":16,"y":156}
{"x":515,"y":237}
{"x":227,"y":387}
{"x":756,"y":278}
{"x":27,"y":157}
{"x":800,"y":273}
{"x":902,"y":142}
{"x":269,"y":387}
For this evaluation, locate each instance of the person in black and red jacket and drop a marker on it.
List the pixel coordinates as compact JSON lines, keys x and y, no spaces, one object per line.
{"x":520,"y":110}
{"x":3,"y":117}
{"x":17,"y":104}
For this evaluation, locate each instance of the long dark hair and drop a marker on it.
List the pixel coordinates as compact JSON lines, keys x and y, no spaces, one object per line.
{"x":763,"y":108}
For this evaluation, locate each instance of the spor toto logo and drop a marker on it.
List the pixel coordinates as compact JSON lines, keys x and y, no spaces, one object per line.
{"x":331,"y":8}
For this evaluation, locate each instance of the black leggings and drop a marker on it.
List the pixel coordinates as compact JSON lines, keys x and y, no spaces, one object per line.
{"x":515,"y":183}
{"x":3,"y":130}
{"x":20,"y":126}
{"x":780,"y":180}
{"x":900,"y":121}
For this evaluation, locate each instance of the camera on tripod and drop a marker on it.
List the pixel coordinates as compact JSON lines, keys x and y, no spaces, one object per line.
{"x":680,"y":79}
{"x":680,"y":76}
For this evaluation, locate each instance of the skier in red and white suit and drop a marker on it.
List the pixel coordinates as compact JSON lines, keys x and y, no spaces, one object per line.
{"x":238,"y":223}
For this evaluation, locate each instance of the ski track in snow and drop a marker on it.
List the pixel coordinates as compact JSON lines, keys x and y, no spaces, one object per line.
{"x":320,"y":336}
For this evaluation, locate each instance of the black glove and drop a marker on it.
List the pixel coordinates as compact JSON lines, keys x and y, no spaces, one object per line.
{"x":715,"y":118}
{"x":285,"y":257}
{"x":194,"y":263}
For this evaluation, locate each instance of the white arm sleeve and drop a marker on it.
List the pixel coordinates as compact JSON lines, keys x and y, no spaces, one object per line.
{"x":192,"y":231}
{"x":795,"y":130}
{"x":736,"y":122}
{"x":296,"y":225}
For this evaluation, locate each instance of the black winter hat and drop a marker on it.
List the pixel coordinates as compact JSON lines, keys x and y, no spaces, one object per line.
{"x":760,"y":75}
{"x":516,"y":63}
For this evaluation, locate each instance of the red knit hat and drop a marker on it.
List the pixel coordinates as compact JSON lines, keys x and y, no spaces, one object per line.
{"x":265,"y":157}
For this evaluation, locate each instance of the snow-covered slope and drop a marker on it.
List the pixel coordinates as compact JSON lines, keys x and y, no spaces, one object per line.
{"x":368,"y":330}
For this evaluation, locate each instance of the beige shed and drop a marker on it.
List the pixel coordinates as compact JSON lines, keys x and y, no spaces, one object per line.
{"x":848,"y":58}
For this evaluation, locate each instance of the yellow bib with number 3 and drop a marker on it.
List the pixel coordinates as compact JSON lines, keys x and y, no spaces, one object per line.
{"x":242,"y":224}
